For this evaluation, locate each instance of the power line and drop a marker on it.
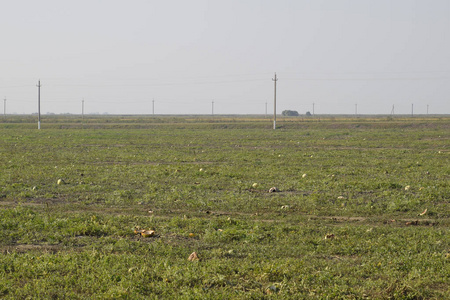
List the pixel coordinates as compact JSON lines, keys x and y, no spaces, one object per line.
{"x":157,"y":84}
{"x":368,"y":79}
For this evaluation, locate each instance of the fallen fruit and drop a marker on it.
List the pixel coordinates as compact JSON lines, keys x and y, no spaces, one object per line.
{"x":193,"y":256}
{"x":424,"y":212}
{"x":273,"y":190}
{"x":138,"y":230}
{"x":147,"y":233}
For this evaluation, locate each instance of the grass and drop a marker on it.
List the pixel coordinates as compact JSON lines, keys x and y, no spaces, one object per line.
{"x":351,"y":227}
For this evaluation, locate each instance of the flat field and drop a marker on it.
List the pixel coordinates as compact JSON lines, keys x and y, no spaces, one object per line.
{"x":361,"y":208}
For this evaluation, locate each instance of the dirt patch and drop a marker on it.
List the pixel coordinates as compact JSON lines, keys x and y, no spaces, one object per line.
{"x":23,"y":248}
{"x":153,"y":163}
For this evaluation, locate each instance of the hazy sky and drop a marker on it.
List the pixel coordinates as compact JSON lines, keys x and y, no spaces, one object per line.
{"x":119,"y":56}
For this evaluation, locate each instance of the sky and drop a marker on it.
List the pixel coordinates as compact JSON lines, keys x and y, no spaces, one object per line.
{"x":220,"y":57}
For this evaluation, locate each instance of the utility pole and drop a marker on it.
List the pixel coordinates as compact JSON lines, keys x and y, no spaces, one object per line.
{"x":313,"y":109}
{"x":82,"y":109}
{"x":4,"y":108}
{"x":266,"y":109}
{"x":412,"y":109}
{"x":275,"y":102}
{"x":427,"y":107}
{"x":392,"y":111}
{"x":212,"y":108}
{"x":356,"y":109}
{"x":153,"y":106}
{"x":39,"y":103}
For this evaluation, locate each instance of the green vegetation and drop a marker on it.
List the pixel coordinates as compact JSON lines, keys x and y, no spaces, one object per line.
{"x":290,"y":113}
{"x":362,"y":209}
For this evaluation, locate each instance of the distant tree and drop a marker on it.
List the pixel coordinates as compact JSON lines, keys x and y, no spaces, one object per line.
{"x":290,"y":113}
{"x":308,"y":114}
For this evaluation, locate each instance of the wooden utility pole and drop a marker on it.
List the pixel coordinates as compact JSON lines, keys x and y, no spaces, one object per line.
{"x":39,"y":103}
{"x":153,"y":106}
{"x":212,"y":108}
{"x":4,"y":107}
{"x":82,"y":109}
{"x":275,"y":102}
